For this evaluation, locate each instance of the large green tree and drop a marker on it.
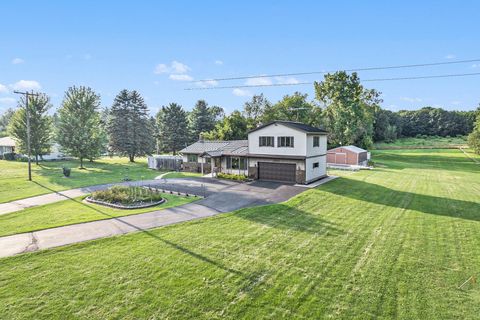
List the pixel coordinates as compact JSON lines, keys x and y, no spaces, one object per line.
{"x":5,"y":120}
{"x":254,"y":110}
{"x":79,"y":132}
{"x":40,"y":126}
{"x":474,"y":137}
{"x":202,"y":119}
{"x":232,"y":127}
{"x":293,"y":107}
{"x":173,"y":128}
{"x":349,"y":109}
{"x":130,"y":131}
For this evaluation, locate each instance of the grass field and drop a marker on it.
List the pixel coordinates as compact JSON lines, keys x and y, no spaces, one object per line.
{"x":47,"y":176}
{"x":72,"y":211}
{"x":394,"y":242}
{"x":172,"y":175}
{"x":423,"y":143}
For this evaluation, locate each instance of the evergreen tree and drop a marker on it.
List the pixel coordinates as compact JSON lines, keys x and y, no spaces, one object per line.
{"x":202,"y":119}
{"x":79,"y":122}
{"x":173,"y":128}
{"x":129,"y":128}
{"x":40,"y":126}
{"x":5,"y":120}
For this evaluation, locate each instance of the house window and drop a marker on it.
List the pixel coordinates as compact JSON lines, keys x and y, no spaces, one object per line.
{"x":316,"y":141}
{"x":192,"y":158}
{"x":236,"y":163}
{"x":315,"y":165}
{"x":208,"y":160}
{"x":285,"y":142}
{"x":265,"y":141}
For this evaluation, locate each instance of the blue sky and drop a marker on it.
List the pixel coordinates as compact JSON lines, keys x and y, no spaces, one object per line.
{"x":155,"y":47}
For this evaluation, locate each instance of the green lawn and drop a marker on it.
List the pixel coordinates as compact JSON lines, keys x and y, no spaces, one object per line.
{"x":394,"y":242}
{"x":423,"y":143}
{"x":48,"y":177}
{"x":72,"y":211}
{"x":172,"y":175}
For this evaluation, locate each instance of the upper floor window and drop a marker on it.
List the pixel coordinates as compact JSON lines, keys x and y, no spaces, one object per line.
{"x":316,"y":141}
{"x":265,"y":141}
{"x":285,"y":142}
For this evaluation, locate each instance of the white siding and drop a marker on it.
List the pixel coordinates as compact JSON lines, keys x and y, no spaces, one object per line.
{"x":316,"y":151}
{"x":253,"y":162}
{"x":310,"y":172}
{"x":278,"y":130}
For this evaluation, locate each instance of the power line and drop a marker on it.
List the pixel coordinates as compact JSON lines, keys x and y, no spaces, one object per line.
{"x":366,"y":80}
{"x":348,"y":70}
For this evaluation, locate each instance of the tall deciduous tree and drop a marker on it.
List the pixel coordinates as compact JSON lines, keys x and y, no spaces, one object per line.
{"x":130,"y":130}
{"x":254,"y":110}
{"x":5,"y":118}
{"x":40,"y":126}
{"x":232,"y":127}
{"x":474,"y":137}
{"x":173,"y":128}
{"x":79,"y":123}
{"x":349,"y":109}
{"x":202,"y":118}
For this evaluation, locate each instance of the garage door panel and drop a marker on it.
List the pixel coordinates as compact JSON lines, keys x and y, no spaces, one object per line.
{"x":284,"y":172}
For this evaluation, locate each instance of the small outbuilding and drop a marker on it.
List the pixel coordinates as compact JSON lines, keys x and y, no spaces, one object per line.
{"x":7,"y":145}
{"x":347,"y":155}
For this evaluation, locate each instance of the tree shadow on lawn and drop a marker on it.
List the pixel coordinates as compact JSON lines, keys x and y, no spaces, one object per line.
{"x":284,"y":217}
{"x":374,"y":193}
{"x":154,"y":236}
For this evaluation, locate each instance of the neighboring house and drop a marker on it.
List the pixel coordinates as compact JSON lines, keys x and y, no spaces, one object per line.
{"x":279,"y":151}
{"x":347,"y":155}
{"x":7,"y":145}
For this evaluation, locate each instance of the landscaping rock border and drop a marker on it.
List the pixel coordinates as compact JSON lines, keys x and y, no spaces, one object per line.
{"x":121,"y":206}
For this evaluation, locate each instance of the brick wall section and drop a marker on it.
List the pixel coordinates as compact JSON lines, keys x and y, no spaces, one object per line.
{"x":300,"y":176}
{"x":253,"y":173}
{"x":191,"y":166}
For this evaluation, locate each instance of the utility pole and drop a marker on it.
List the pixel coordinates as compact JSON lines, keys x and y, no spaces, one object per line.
{"x":27,"y":97}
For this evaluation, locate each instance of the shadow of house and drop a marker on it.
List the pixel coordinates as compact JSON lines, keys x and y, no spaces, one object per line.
{"x":374,"y":193}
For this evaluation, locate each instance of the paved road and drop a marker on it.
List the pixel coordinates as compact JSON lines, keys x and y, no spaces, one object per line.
{"x":221,"y":196}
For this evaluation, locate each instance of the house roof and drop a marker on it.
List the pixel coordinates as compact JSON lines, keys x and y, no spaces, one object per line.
{"x":294,"y":125}
{"x":7,"y":142}
{"x":353,"y":149}
{"x":218,"y":148}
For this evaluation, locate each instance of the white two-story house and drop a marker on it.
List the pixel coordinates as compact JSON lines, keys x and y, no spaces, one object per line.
{"x":283,"y":151}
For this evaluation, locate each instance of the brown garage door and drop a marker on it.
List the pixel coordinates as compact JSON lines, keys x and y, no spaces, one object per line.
{"x":284,"y":172}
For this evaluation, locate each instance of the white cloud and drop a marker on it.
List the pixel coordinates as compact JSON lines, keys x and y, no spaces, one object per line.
{"x":174,"y":67}
{"x":412,"y":100}
{"x":207,"y":83}
{"x":180,"y":77}
{"x":241,"y":93}
{"x":26,"y":85}
{"x":7,"y":101}
{"x":218,"y":62}
{"x":3,"y":88}
{"x":286,"y":80}
{"x":258,"y":82}
{"x":476,"y":65}
{"x":450,"y":56}
{"x":17,"y":61}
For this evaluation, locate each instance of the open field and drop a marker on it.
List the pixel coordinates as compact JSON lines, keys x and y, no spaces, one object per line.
{"x":48,"y":177}
{"x":72,"y":211}
{"x":394,"y":242}
{"x":423,"y":143}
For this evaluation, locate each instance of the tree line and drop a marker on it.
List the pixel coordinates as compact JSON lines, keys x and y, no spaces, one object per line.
{"x":350,"y":113}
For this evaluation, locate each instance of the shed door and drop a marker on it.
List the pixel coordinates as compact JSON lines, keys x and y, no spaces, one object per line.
{"x":341,"y":158}
{"x":284,"y":172}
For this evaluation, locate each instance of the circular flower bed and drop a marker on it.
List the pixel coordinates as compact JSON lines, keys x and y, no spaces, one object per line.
{"x":127,"y":197}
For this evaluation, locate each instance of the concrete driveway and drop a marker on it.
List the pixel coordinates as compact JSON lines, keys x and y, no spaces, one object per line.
{"x":221,"y":196}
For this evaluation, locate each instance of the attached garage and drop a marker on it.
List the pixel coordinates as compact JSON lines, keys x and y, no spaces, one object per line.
{"x":284,"y":172}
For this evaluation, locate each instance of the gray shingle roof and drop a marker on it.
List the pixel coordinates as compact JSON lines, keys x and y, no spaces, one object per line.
{"x":218,"y":148}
